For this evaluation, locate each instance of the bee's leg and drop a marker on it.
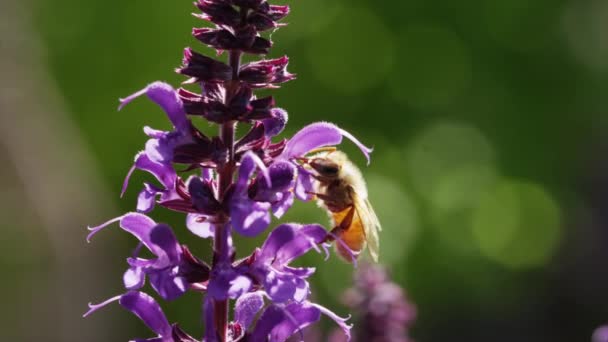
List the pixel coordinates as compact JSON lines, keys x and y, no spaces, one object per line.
{"x":324,"y":197}
{"x":343,"y":226}
{"x":327,"y":200}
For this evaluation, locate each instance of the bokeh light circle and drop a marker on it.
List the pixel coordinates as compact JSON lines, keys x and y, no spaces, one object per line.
{"x":586,"y":28}
{"x":453,"y":200}
{"x":517,"y":225}
{"x":353,"y":53}
{"x":299,"y":20}
{"x":434,"y":67}
{"x":441,"y":150}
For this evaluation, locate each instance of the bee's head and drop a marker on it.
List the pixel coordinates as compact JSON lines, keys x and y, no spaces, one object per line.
{"x":325,"y":167}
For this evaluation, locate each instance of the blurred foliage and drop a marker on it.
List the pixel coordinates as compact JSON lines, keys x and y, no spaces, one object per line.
{"x":483,"y":115}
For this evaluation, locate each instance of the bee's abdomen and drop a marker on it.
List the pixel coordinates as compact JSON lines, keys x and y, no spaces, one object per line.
{"x":353,"y":237}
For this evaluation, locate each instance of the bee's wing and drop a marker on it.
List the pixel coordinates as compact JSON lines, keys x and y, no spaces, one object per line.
{"x":371,"y":224}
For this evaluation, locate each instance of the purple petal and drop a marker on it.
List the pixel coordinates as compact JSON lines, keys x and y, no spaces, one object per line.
{"x":134,"y":278}
{"x":307,"y":237}
{"x":274,"y":126}
{"x":247,"y":307}
{"x":95,"y":307}
{"x":275,"y":240}
{"x":227,"y":283}
{"x":300,"y":272}
{"x":248,"y":217}
{"x":248,"y":164}
{"x":272,"y":316}
{"x":203,"y":196}
{"x":168,"y":284}
{"x":317,"y":135}
{"x":154,"y":133}
{"x":339,"y":320}
{"x":282,"y":176}
{"x":200,"y":226}
{"x":206,"y":174}
{"x":343,"y":251}
{"x":165,"y":243}
{"x":600,"y":334}
{"x":148,"y":310}
{"x":96,"y":229}
{"x":304,"y":185}
{"x":147,"y":198}
{"x":139,"y":225}
{"x":280,"y":208}
{"x":302,"y":290}
{"x":166,"y":97}
{"x":164,"y":173}
{"x":280,"y":287}
{"x":153,"y":339}
{"x":289,"y":241}
{"x":297,"y":317}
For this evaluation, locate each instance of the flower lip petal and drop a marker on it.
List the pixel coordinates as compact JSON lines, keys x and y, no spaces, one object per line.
{"x":339,"y":320}
{"x":166,"y":97}
{"x":274,"y":125}
{"x":95,"y":307}
{"x":226,"y":283}
{"x":248,"y":163}
{"x":297,"y":317}
{"x":200,"y":225}
{"x":248,"y":217}
{"x":163,"y":239}
{"x":148,"y":310}
{"x":289,"y":241}
{"x":134,"y":278}
{"x":317,"y":135}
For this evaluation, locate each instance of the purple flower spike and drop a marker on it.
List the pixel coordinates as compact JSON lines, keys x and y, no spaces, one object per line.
{"x":317,"y":135}
{"x":381,"y":305}
{"x":166,"y":97}
{"x":225,"y":182}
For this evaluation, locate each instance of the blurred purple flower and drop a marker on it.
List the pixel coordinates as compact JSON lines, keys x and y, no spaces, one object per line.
{"x":381,"y":308}
{"x":600,"y":334}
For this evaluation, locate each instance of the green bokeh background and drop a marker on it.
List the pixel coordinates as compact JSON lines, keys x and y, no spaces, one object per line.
{"x":487,"y":119}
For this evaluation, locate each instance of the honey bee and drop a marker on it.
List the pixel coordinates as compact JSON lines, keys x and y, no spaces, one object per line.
{"x":341,"y":190}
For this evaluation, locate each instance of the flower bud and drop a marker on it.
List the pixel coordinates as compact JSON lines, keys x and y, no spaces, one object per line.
{"x":218,"y":12}
{"x":204,"y":68}
{"x":203,"y":197}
